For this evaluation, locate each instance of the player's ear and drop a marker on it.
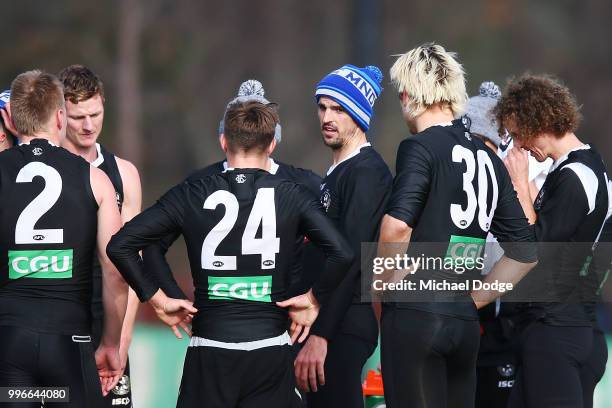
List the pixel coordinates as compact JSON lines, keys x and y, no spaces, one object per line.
{"x":405,"y":101}
{"x":271,"y":147}
{"x":60,"y":119}
{"x":223,"y":142}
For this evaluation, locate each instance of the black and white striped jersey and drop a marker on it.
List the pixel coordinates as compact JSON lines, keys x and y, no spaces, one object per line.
{"x":571,"y":209}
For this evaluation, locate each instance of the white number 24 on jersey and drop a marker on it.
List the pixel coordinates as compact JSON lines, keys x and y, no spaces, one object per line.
{"x":463,"y":218}
{"x":263,"y":213}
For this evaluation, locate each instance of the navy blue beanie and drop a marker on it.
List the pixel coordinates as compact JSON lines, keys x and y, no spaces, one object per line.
{"x":355,"y":89}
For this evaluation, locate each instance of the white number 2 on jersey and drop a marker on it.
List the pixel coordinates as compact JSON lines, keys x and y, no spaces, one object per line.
{"x":463,"y":218}
{"x":25,"y":233}
{"x":263,"y":213}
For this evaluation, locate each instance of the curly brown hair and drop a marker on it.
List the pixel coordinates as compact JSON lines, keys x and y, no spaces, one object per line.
{"x":80,"y":83}
{"x":537,"y":104}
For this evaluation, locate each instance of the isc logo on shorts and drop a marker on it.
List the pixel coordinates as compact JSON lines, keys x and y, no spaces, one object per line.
{"x":254,"y":288}
{"x":41,"y":264}
{"x":121,"y":401}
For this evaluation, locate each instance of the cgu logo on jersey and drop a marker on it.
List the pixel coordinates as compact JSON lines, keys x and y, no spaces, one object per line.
{"x":37,"y":151}
{"x":253,"y":288}
{"x":41,"y":264}
{"x":465,"y":248}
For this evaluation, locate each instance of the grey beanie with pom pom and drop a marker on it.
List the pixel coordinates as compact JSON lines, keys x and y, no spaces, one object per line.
{"x":250,"y":90}
{"x":479,"y":112}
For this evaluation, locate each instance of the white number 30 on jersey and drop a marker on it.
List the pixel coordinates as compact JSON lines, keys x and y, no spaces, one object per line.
{"x":463,"y":218}
{"x":263,"y":213}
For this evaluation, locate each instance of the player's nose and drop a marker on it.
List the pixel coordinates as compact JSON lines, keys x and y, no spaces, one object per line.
{"x":87,"y":123}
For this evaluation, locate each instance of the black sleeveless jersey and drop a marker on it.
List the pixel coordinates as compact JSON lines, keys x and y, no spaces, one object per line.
{"x":571,"y":210}
{"x":48,"y":230}
{"x":306,"y":256}
{"x":240,"y":228}
{"x":451,"y":190}
{"x":106,"y":162}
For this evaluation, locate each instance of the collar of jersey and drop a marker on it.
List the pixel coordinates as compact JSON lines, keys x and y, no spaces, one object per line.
{"x":443,"y":124}
{"x":100,"y":159}
{"x":37,"y":138}
{"x":350,"y":156}
{"x":273,"y":167}
{"x":563,"y":158}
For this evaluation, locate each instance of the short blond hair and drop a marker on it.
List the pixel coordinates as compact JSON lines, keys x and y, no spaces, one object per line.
{"x":430,"y":75}
{"x":35,"y":97}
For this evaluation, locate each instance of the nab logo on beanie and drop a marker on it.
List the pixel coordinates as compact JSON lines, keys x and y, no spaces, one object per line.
{"x":360,"y":83}
{"x":355,"y":89}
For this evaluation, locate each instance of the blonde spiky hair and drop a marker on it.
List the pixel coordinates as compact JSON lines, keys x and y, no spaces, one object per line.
{"x":429,"y":75}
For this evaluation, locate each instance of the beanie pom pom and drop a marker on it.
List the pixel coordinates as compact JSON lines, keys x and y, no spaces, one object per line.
{"x":251,"y":87}
{"x":375,"y":73}
{"x":490,"y":90}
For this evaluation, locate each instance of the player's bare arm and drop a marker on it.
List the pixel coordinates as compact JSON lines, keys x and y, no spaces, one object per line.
{"x":132,"y":205}
{"x":114,"y":287}
{"x":505,"y":270}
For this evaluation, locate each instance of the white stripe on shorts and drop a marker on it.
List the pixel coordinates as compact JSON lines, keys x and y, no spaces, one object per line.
{"x":281,"y":340}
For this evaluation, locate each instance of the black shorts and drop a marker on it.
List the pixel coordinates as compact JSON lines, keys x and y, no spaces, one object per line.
{"x":33,"y":359}
{"x":220,"y":378}
{"x":549,"y":366}
{"x":428,"y":360}
{"x":594,"y":368}
{"x":494,"y":383}
{"x":121,"y":394}
{"x":497,"y":361}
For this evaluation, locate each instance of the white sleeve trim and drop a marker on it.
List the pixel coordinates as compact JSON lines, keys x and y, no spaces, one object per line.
{"x":589,"y":182}
{"x":99,"y":159}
